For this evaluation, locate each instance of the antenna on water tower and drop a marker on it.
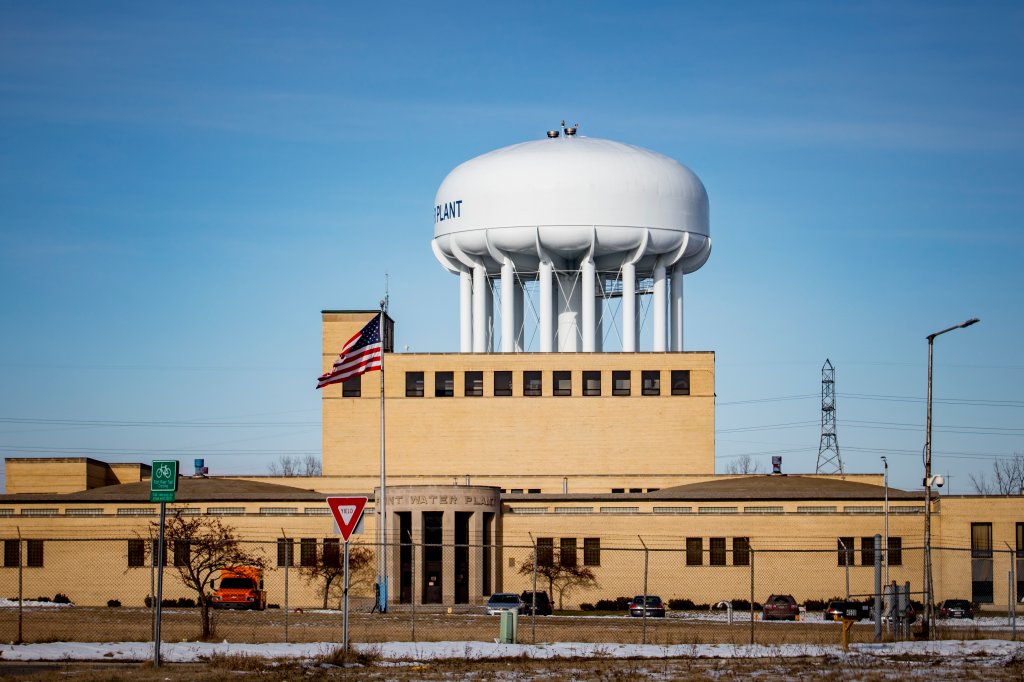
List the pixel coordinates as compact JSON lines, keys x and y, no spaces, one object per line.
{"x":829,"y":461}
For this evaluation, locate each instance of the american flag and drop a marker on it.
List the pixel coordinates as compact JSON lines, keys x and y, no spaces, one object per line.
{"x":363,"y":353}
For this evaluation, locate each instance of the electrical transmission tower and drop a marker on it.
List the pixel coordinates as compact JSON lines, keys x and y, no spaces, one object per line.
{"x":829,"y":461}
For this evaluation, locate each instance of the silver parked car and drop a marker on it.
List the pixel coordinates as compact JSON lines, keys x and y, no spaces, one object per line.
{"x":504,"y":601}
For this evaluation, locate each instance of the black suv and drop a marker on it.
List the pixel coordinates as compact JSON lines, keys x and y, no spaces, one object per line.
{"x":956,"y":608}
{"x":543,"y":603}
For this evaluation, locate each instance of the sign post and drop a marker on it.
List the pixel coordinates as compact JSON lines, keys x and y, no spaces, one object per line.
{"x":163,"y":484}
{"x":347,"y":512}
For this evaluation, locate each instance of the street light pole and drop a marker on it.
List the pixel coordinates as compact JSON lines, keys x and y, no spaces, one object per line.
{"x":929,"y":606}
{"x":885,"y":550}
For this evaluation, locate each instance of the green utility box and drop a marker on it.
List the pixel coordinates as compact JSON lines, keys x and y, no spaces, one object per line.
{"x":509,"y":625}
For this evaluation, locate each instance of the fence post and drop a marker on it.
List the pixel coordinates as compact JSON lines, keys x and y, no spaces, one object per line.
{"x":890,"y":599}
{"x":152,"y":588}
{"x":846,"y":563}
{"x":643,"y":613}
{"x":904,"y":605}
{"x":751,"y":595}
{"x":1011,"y":597}
{"x":413,"y":592}
{"x":533,"y":621}
{"x":878,"y":587}
{"x":21,"y":596}
{"x":287,"y":563}
{"x":1013,"y":593}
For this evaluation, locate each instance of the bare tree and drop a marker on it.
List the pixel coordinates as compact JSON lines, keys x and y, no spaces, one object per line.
{"x":202,"y":546}
{"x":329,"y":569}
{"x":311,"y":466}
{"x":744,"y":464}
{"x":1007,"y":477}
{"x":562,"y":573}
{"x":286,"y":465}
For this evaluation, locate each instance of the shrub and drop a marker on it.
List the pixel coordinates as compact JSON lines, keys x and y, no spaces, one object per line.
{"x":148,"y":601}
{"x":681,"y":604}
{"x":586,"y":607}
{"x":45,"y":599}
{"x":617,"y":604}
{"x":273,"y":606}
{"x":744,"y":605}
{"x":113,"y":603}
{"x":60,"y":598}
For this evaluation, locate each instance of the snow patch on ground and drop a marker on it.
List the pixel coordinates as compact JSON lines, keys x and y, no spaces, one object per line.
{"x":31,"y":604}
{"x":181,"y":652}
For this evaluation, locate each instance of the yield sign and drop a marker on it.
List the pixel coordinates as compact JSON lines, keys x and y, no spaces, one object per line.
{"x":347,"y":512}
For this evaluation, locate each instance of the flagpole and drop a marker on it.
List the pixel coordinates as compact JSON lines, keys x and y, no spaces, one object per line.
{"x":382,"y":504}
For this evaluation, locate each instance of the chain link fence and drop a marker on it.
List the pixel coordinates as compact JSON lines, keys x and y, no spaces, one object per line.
{"x":103,"y":590}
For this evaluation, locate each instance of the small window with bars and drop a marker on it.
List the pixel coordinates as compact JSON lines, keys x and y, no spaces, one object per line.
{"x":474,"y":384}
{"x":532,"y":383}
{"x":694,"y":551}
{"x":444,"y":384}
{"x":307,"y":552}
{"x":502,"y":383}
{"x":561,"y":382}
{"x":352,"y":388}
{"x":680,"y":382}
{"x":414,"y":384}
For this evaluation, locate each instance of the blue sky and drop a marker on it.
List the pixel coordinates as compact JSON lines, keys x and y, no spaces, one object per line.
{"x":183,"y":187}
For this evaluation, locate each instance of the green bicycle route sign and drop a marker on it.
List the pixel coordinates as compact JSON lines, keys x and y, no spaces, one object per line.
{"x":163,"y":480}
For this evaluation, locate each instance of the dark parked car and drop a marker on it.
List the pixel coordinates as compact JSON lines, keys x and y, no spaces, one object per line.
{"x":956,"y":608}
{"x":504,"y":601}
{"x":543,"y":603}
{"x":780,"y":607}
{"x":839,"y":609}
{"x":651,"y":605}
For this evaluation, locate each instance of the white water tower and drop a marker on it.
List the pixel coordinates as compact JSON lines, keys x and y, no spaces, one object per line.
{"x":582,"y":221}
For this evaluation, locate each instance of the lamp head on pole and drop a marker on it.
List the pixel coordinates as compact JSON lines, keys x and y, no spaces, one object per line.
{"x":968,"y":323}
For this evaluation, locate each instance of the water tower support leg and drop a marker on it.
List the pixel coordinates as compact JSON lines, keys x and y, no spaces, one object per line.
{"x":479,"y":309}
{"x":677,"y":309}
{"x":660,"y":304}
{"x":589,"y":322}
{"x":508,"y":300}
{"x":465,"y":312}
{"x":517,"y":308}
{"x":628,"y":308}
{"x":547,"y":332}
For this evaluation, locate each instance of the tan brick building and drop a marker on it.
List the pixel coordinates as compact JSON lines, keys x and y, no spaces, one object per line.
{"x":490,"y":455}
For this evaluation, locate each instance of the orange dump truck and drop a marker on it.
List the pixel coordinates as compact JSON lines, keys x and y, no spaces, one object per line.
{"x":240,"y":587}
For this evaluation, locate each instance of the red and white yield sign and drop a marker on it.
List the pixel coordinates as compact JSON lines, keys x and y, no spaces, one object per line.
{"x":347,"y":512}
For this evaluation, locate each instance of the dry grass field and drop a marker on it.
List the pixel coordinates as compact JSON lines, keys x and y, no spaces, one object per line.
{"x":222,"y":669}
{"x":85,"y":624}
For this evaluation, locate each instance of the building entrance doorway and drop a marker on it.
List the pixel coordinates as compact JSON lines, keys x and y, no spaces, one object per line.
{"x":433,"y":557}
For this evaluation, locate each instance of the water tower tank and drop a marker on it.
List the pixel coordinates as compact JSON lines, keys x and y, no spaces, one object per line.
{"x":582,"y":219}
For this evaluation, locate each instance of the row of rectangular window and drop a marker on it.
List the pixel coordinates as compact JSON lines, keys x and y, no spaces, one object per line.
{"x":33,"y":553}
{"x":717,"y":553}
{"x":566,"y":554}
{"x":846,"y":550}
{"x":533,"y":383}
{"x":312,"y":552}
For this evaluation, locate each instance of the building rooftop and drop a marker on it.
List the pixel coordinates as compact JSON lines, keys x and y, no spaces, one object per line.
{"x":189,"y":490}
{"x":746,"y":489}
